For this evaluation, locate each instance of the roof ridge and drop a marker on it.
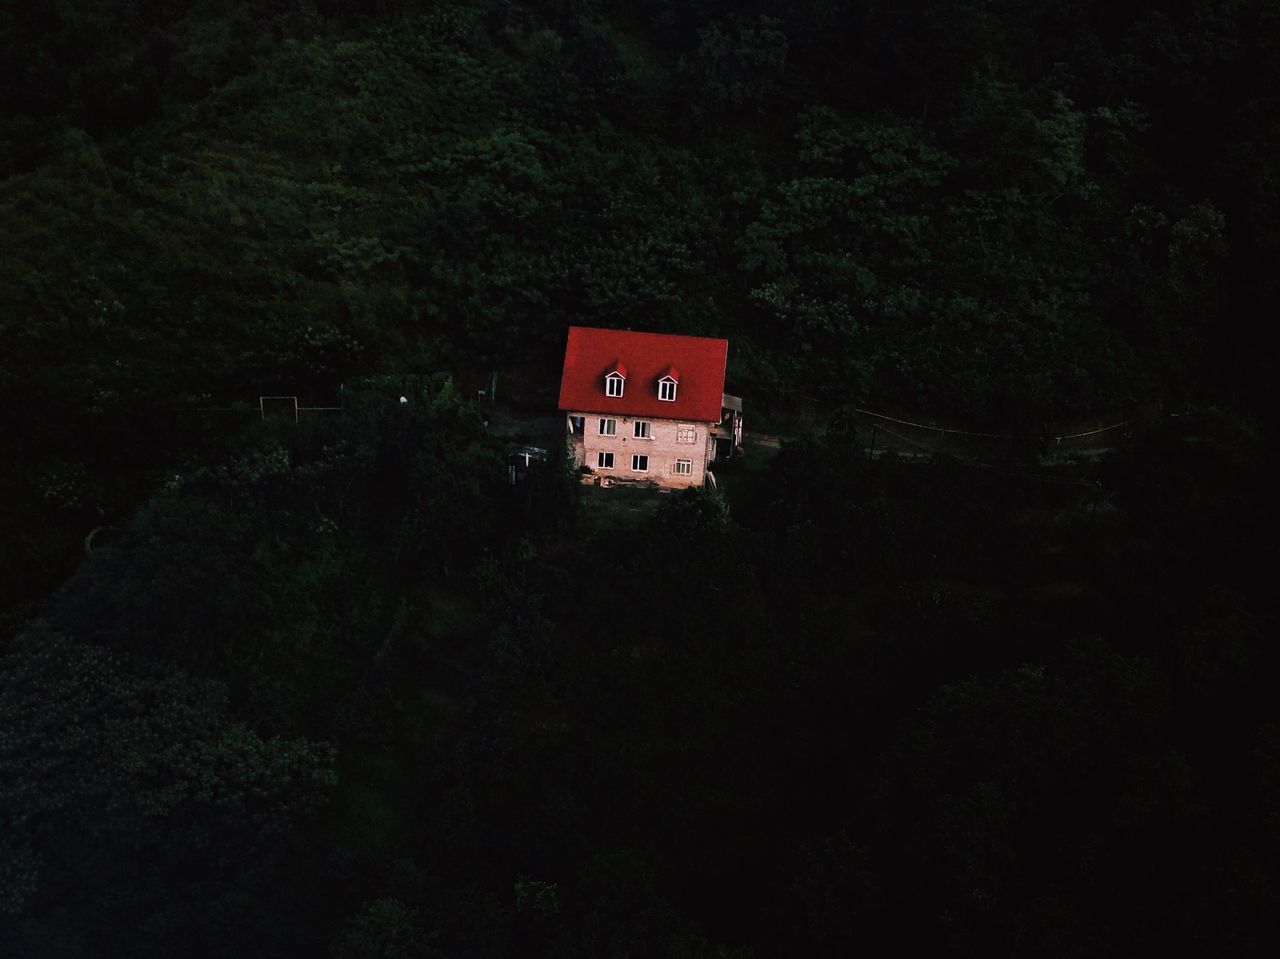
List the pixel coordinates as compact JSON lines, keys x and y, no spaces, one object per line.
{"x":678,"y":336}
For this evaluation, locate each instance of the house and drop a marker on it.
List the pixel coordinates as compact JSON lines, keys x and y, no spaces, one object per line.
{"x":647,"y":407}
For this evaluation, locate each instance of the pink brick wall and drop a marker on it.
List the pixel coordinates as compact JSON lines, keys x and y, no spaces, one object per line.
{"x":662,"y":448}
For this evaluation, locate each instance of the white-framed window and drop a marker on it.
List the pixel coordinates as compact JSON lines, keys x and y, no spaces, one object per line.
{"x":667,"y":389}
{"x":608,"y":427}
{"x":639,"y":463}
{"x":682,"y":467}
{"x":643,"y":430}
{"x":686,"y":434}
{"x":613,"y":384}
{"x":604,"y":461}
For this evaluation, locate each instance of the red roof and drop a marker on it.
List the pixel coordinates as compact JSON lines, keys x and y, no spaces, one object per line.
{"x":591,"y":353}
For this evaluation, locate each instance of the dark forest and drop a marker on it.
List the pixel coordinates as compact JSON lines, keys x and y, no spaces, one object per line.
{"x":329,"y":684}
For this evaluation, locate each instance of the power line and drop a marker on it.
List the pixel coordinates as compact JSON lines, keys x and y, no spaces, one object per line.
{"x":988,"y":436}
{"x":1022,"y":474}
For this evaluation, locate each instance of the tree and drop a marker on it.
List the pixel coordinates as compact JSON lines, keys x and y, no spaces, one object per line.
{"x":127,"y":792}
{"x":739,"y":63}
{"x":385,"y":929}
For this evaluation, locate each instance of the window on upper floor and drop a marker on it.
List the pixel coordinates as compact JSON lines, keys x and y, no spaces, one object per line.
{"x":613,"y":384}
{"x":608,"y":427}
{"x":667,"y":389}
{"x":643,"y":430}
{"x":686,"y":434}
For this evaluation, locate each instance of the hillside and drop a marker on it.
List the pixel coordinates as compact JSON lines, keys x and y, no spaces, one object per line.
{"x":334,"y":687}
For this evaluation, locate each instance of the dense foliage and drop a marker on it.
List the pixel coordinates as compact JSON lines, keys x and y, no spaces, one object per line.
{"x":135,"y":811}
{"x":335,"y":687}
{"x":869,"y":704}
{"x":1001,"y":212}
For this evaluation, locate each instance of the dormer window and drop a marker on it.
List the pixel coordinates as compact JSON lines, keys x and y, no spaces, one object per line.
{"x":615,"y":377}
{"x":667,"y":384}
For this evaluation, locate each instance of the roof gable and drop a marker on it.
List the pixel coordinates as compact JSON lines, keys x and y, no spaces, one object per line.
{"x":696,"y":362}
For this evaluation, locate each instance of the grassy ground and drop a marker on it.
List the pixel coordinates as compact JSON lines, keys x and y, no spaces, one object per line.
{"x":619,"y":507}
{"x":744,"y":478}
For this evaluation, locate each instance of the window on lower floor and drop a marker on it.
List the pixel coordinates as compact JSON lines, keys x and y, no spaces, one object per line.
{"x":686,"y":434}
{"x":683,"y":467}
{"x":639,"y":463}
{"x":604,"y":461}
{"x":643,"y":431}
